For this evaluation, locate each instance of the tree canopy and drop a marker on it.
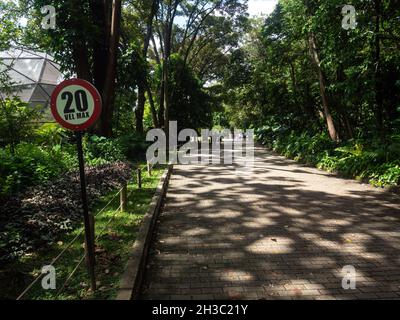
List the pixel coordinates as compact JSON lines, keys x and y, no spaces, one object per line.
{"x":189,"y":60}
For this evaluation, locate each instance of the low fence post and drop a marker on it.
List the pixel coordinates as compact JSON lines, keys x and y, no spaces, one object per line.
{"x":139,"y":178}
{"x":123,"y":198}
{"x":149,"y":168}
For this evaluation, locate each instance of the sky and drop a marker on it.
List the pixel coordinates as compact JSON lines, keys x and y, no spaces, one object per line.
{"x":257,"y":7}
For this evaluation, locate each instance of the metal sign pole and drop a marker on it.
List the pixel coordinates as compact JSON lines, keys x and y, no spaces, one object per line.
{"x":76,"y":105}
{"x":89,"y":242}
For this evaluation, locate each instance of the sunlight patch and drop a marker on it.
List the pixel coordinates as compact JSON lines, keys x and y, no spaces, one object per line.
{"x":271,"y":245}
{"x":236,"y":275}
{"x":196,"y":232}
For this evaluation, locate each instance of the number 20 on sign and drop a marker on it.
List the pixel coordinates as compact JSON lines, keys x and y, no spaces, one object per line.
{"x":76,"y":105}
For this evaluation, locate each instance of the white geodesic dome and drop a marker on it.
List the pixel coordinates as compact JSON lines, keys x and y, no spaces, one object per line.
{"x":34,"y":75}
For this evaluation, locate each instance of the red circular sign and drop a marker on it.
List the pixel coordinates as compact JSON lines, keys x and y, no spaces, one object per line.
{"x":75,"y":104}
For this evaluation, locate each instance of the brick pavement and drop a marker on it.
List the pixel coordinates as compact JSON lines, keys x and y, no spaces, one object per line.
{"x":283,"y":232}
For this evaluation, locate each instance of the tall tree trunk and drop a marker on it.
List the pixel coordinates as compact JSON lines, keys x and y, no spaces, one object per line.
{"x":109,"y":85}
{"x":139,"y":111}
{"x":81,"y":59}
{"x":340,"y":76}
{"x":143,"y":84}
{"x":80,"y":50}
{"x":152,"y":106}
{"x":294,"y":85}
{"x":166,"y":96}
{"x":161,"y":109}
{"x":165,"y":74}
{"x":377,"y":65}
{"x":322,"y":85}
{"x":101,"y":43}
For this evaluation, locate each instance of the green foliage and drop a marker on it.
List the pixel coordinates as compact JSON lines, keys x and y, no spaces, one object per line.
{"x":17,"y":120}
{"x":191,"y":105}
{"x":50,"y":134}
{"x":281,"y":91}
{"x":274,"y":75}
{"x":30,"y":164}
{"x":100,"y":150}
{"x":9,"y":28}
{"x":134,"y":146}
{"x":53,"y":152}
{"x":116,"y":242}
{"x":356,"y":158}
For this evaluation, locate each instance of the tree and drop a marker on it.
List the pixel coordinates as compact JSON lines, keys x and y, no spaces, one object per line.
{"x":147,"y":12}
{"x":87,"y":47}
{"x":199,"y":17}
{"x":191,"y":106}
{"x":300,"y":67}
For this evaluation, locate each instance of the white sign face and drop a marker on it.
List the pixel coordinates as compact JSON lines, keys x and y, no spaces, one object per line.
{"x":75,"y":104}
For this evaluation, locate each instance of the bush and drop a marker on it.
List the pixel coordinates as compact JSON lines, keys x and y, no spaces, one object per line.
{"x":100,"y":150}
{"x":17,"y":120}
{"x":134,"y":146}
{"x":50,"y":134}
{"x":371,"y":160}
{"x":37,"y":217}
{"x":30,"y":164}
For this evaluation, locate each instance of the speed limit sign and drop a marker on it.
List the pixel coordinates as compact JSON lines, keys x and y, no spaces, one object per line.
{"x":75,"y":104}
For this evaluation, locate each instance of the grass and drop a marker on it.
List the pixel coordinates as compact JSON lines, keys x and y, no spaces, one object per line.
{"x":116,"y":232}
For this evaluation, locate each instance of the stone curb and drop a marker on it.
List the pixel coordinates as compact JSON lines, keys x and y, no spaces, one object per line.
{"x":131,"y":279}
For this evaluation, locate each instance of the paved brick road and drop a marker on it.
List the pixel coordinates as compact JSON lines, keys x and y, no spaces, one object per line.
{"x":284,"y":232}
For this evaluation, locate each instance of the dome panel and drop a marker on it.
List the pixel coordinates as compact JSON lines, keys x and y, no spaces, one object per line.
{"x":28,"y":55}
{"x":31,"y":68}
{"x":6,"y":63}
{"x":39,"y":95}
{"x":5,"y":55}
{"x":24,"y":92}
{"x":48,"y":88}
{"x":18,"y":78}
{"x":50,"y":74}
{"x":34,"y":74}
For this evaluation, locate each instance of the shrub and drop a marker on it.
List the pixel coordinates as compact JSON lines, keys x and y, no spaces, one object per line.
{"x":50,"y":134}
{"x":355,"y":158}
{"x":100,"y":150}
{"x":17,"y":120}
{"x":30,"y":164}
{"x":134,"y":146}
